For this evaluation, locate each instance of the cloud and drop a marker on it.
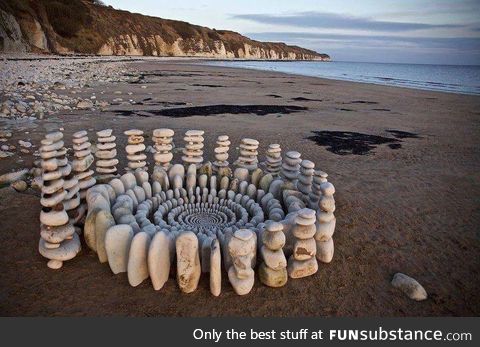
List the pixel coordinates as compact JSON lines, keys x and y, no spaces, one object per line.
{"x":383,"y":48}
{"x":323,"y":20}
{"x":458,"y":43}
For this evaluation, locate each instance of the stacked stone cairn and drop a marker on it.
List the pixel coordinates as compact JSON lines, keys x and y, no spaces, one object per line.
{"x":291,"y":166}
{"x":82,"y":162}
{"x":248,"y":154}
{"x":188,"y":217}
{"x":163,"y":139}
{"x":135,"y":150}
{"x":274,"y":159}
{"x":193,"y":151}
{"x":326,"y":222}
{"x":241,"y":248}
{"x":221,"y":153}
{"x":302,"y":262}
{"x":273,"y":269}
{"x":58,"y":240}
{"x":305,"y":178}
{"x":106,"y":155}
{"x":319,"y":177}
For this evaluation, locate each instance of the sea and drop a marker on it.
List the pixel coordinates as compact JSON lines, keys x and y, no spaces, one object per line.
{"x":463,"y":79}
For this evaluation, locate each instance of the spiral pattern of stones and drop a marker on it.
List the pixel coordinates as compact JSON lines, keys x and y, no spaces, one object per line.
{"x":202,"y":218}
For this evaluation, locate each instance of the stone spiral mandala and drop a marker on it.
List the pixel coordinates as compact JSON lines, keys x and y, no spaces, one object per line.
{"x":274,"y":217}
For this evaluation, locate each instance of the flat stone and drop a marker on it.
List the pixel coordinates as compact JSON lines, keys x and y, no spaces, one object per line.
{"x":137,"y":267}
{"x":299,"y":269}
{"x":274,"y":259}
{"x":118,"y":240}
{"x":159,"y":260}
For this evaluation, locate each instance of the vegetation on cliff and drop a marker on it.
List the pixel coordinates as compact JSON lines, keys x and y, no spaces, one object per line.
{"x":89,"y":27}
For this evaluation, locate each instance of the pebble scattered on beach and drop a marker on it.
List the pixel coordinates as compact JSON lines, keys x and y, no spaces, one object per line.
{"x":38,"y":88}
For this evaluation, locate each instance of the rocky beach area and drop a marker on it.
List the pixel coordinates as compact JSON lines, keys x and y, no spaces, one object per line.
{"x":405,"y":164}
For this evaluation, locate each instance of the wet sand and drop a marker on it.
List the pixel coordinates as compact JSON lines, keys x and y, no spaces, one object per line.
{"x":405,"y":164}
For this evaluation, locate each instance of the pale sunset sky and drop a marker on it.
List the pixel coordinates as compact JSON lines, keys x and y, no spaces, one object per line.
{"x":398,"y":31}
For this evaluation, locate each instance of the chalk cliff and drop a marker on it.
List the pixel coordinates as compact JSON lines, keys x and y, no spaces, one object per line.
{"x":88,"y":27}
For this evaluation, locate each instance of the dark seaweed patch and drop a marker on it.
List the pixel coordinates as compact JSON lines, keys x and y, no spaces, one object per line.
{"x":381,"y":109}
{"x":207,"y":85}
{"x":346,"y":142}
{"x":399,"y":134}
{"x":362,"y":102}
{"x":301,"y":98}
{"x":346,"y":109}
{"x":212,"y":110}
{"x":273,"y":96}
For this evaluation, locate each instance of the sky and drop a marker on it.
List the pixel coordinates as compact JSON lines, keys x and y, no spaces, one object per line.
{"x":392,"y":31}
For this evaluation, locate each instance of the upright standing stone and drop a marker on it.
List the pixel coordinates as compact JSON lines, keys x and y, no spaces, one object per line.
{"x":215,"y":268}
{"x":163,"y":139}
{"x":106,"y":154}
{"x":326,"y":222}
{"x":58,"y":240}
{"x":302,"y":262}
{"x":221,"y":153}
{"x":135,"y":150}
{"x":193,"y":151}
{"x":248,"y":154}
{"x":273,"y":269}
{"x":241,"y":247}
{"x":188,"y":261}
{"x":274,"y":159}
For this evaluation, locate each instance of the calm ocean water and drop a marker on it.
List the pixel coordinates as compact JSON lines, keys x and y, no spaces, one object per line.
{"x":446,"y":78}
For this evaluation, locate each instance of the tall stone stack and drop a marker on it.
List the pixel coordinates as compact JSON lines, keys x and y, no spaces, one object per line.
{"x":221,"y":152}
{"x":326,"y":222}
{"x":163,"y":139}
{"x":305,"y":178}
{"x":58,"y":240}
{"x":241,"y":248}
{"x":106,"y":154}
{"x":274,"y":159}
{"x":82,"y":162}
{"x":273,"y":269}
{"x":248,"y":158}
{"x":291,"y":165}
{"x":135,"y":150}
{"x":319,"y":177}
{"x":193,"y":151}
{"x":302,"y":262}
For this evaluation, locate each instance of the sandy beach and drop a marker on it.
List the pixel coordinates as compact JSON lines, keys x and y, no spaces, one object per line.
{"x":405,"y":164}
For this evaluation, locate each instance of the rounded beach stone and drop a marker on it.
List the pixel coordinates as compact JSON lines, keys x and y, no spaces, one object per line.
{"x":274,"y":240}
{"x":215,"y":268}
{"x":133,"y":132}
{"x":304,"y":231}
{"x":299,"y":269}
{"x":67,"y":250}
{"x":241,"y":286}
{"x":159,"y":260}
{"x":55,"y":264}
{"x":188,"y":262}
{"x":272,"y":278}
{"x":304,"y":249}
{"x":103,"y":221}
{"x":163,"y":132}
{"x":56,"y":234}
{"x":274,"y":259}
{"x":54,"y":217}
{"x":118,"y":240}
{"x":325,"y":230}
{"x":105,"y":133}
{"x":409,"y":286}
{"x":325,"y":250}
{"x":137,"y":267}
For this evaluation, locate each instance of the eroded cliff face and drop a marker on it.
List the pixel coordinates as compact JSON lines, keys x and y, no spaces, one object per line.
{"x":87,"y":28}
